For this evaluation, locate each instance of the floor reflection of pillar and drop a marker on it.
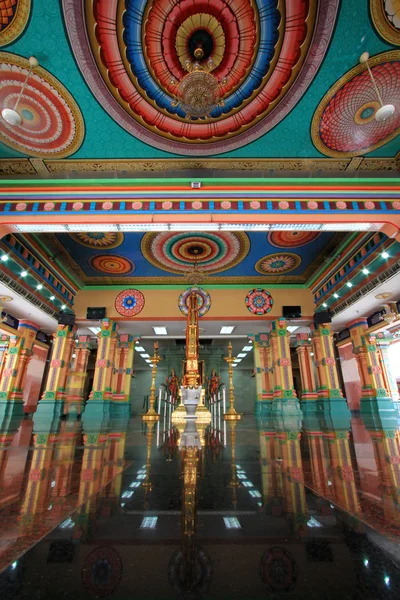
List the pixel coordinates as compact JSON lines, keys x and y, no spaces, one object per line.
{"x":272,"y":499}
{"x":70,"y":432}
{"x":344,"y":488}
{"x":293,"y":480}
{"x":387,"y":457}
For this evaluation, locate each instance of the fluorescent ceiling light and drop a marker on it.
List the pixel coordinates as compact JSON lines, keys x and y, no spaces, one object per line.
{"x":349,"y":284}
{"x":385,"y":255}
{"x":295,"y":227}
{"x":242,"y":355}
{"x":160,"y":330}
{"x":234,"y":365}
{"x":194,"y":227}
{"x":139,"y":349}
{"x":149,"y":523}
{"x":237,"y":360}
{"x":148,"y":360}
{"x":52,"y":297}
{"x":247,"y":484}
{"x":24,"y":273}
{"x":145,"y":355}
{"x":39,"y":228}
{"x":241,"y":475}
{"x":313,"y":523}
{"x":127,"y":495}
{"x":292,"y":328}
{"x":143,"y":227}
{"x":95,"y":330}
{"x":227,"y":329}
{"x":232,"y":523}
{"x":335,"y":295}
{"x":365,"y":271}
{"x":345,"y":226}
{"x":151,"y":365}
{"x":135,"y":484}
{"x":248,"y":348}
{"x":255,"y":493}
{"x":93,"y":227}
{"x":141,"y":476}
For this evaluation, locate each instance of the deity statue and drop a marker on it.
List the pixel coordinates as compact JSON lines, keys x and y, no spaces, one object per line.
{"x":213,"y":384}
{"x":173,"y":386}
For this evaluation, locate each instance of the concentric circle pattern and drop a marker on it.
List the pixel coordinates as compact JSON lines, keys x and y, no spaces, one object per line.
{"x":291,"y":239}
{"x":112,"y":264}
{"x":203,"y":301}
{"x":181,"y":252}
{"x":344,"y":123}
{"x":98,"y":239}
{"x":129,"y":303}
{"x":386,"y":17}
{"x":132,"y":56}
{"x":259,"y":301}
{"x":14,"y":16}
{"x":52,"y":124}
{"x":278,"y":263}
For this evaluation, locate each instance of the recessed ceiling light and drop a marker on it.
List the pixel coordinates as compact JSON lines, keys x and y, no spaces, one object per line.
{"x":292,"y":328}
{"x":39,"y":287}
{"x":365,"y":271}
{"x":232,"y":523}
{"x":237,"y":360}
{"x":4,"y":258}
{"x":349,"y":284}
{"x":145,"y":355}
{"x":52,"y":297}
{"x":242,"y":355}
{"x":384,"y":255}
{"x":63,"y":306}
{"x":336,"y":295}
{"x":24,"y":273}
{"x":324,"y":304}
{"x":151,"y":365}
{"x":227,"y":329}
{"x":139,"y":349}
{"x":234,"y":365}
{"x":160,"y":330}
{"x":148,"y":360}
{"x":247,"y":348}
{"x":95,"y":330}
{"x":149,"y":523}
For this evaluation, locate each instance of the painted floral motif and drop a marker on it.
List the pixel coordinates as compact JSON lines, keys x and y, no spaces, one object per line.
{"x":107,"y":205}
{"x":203,"y":300}
{"x":396,"y":205}
{"x":312,"y":205}
{"x":292,"y":239}
{"x":21,"y":206}
{"x":255,"y":204}
{"x":101,"y":363}
{"x":197,"y":205}
{"x":55,"y":363}
{"x":341,"y":205}
{"x":98,"y":239}
{"x":284,"y":205}
{"x":167,"y":205}
{"x":278,"y":263}
{"x":112,"y":264}
{"x":370,"y":205}
{"x":226,"y":205}
{"x":129,"y":303}
{"x":259,"y":301}
{"x":49,"y":206}
{"x":77,"y":206}
{"x":137,"y":205}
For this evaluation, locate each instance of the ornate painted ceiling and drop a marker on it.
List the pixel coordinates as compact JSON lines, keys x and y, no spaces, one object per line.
{"x":289,"y":83}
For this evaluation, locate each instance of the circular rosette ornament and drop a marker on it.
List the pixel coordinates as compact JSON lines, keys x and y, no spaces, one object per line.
{"x":259,"y":301}
{"x":129,"y":303}
{"x":102,"y":571}
{"x":278,"y":570}
{"x":203,"y":301}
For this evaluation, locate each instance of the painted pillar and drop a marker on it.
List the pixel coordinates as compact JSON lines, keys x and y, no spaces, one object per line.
{"x":77,"y":377}
{"x":16,"y":362}
{"x":309,"y":393}
{"x":344,"y":488}
{"x":374,"y":396}
{"x":384,"y":339}
{"x":60,"y":364}
{"x":387,"y":456}
{"x":4,"y":342}
{"x":263,"y":367}
{"x":293,"y":480}
{"x":123,"y":369}
{"x":284,"y":393}
{"x":105,"y":362}
{"x":328,"y":381}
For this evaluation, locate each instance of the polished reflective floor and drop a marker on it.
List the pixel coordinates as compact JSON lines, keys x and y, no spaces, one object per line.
{"x":269,"y":507}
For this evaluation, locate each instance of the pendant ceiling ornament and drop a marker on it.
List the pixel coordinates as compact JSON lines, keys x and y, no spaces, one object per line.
{"x":199,"y":76}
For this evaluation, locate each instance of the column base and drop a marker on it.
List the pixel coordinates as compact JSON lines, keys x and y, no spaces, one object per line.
{"x":47,"y":411}
{"x":286,"y":406}
{"x":97,"y":410}
{"x":335,"y":413}
{"x":11,"y":413}
{"x":74,"y":406}
{"x":379,"y":413}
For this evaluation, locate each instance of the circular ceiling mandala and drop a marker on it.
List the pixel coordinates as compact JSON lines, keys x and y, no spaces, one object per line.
{"x":278,"y":263}
{"x":102,"y":571}
{"x":203,"y":301}
{"x":291,"y":239}
{"x":264,"y":54}
{"x":344,"y":122}
{"x":14,"y":16}
{"x":129,"y":303}
{"x":259,"y":301}
{"x":98,"y":239}
{"x":52,"y":125}
{"x":278,"y":570}
{"x":386,"y":17}
{"x":181,"y":252}
{"x":112,"y":264}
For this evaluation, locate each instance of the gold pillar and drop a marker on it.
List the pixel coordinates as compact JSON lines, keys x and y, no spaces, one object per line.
{"x":77,"y":377}
{"x":231,"y":414}
{"x":308,"y":383}
{"x":16,"y":362}
{"x":123,"y":368}
{"x":284,"y":392}
{"x":151,"y":414}
{"x":328,"y":382}
{"x":104,"y":368}
{"x":60,"y":363}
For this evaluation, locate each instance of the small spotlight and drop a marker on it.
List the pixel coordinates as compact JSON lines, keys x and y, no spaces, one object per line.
{"x":365,"y":271}
{"x":386,"y":579}
{"x":336,"y":295}
{"x":384,"y":255}
{"x":39,"y":287}
{"x":24,"y":273}
{"x":63,"y":306}
{"x":74,"y":356}
{"x":366,"y":562}
{"x":311,"y":353}
{"x":52,"y":297}
{"x":324,"y":305}
{"x":4,"y":258}
{"x":349,"y":284}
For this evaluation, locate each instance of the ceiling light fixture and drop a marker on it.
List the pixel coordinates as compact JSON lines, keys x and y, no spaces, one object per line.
{"x":324,"y":304}
{"x":52,"y":297}
{"x":248,"y":348}
{"x":39,"y":287}
{"x":336,"y":295}
{"x":242,"y":355}
{"x":10,"y":115}
{"x":4,"y":258}
{"x":237,"y":360}
{"x":145,"y":355}
{"x":386,"y":110}
{"x":292,"y":328}
{"x":227,"y":329}
{"x":385,"y":255}
{"x":95,"y":330}
{"x":139,"y":349}
{"x":63,"y":306}
{"x":349,"y":284}
{"x":365,"y":271}
{"x":160,"y":330}
{"x":24,"y":273}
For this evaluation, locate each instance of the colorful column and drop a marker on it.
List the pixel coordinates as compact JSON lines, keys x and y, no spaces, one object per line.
{"x":342,"y":481}
{"x":285,"y":397}
{"x":263,"y":367}
{"x":387,"y":457}
{"x":4,"y":342}
{"x":105,"y":363}
{"x":75,"y":399}
{"x":375,"y":397}
{"x":309,"y":393}
{"x":60,"y":364}
{"x":328,"y":382}
{"x":16,"y":362}
{"x":123,"y":370}
{"x":384,"y":339}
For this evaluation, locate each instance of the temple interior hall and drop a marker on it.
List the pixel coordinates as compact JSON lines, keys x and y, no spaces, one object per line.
{"x":200,"y":299}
